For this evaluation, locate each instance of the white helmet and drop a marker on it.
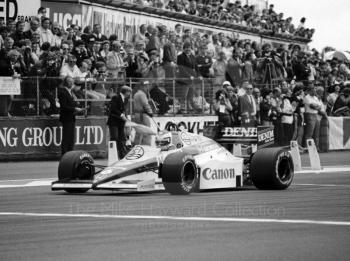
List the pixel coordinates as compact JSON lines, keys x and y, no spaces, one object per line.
{"x":163,"y":139}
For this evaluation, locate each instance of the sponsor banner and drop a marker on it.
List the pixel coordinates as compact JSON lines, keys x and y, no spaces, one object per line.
{"x":10,"y":86}
{"x":43,"y":136}
{"x":19,"y":9}
{"x":194,"y":124}
{"x":261,"y":135}
{"x":64,"y":14}
{"x":339,"y":133}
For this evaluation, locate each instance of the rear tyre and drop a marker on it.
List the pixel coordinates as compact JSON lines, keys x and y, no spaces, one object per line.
{"x":76,"y":165}
{"x":272,"y":168}
{"x":179,"y":174}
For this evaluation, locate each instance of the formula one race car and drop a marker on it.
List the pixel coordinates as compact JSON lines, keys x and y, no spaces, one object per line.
{"x":180,"y":163}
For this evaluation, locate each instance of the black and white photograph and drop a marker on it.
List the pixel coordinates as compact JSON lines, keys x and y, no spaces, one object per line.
{"x":177,"y":130}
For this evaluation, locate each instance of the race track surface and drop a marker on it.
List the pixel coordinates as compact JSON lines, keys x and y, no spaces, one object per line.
{"x":310,"y":221}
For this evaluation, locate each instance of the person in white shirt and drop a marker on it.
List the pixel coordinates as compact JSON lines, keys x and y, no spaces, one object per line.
{"x":312,"y":108}
{"x":70,"y":68}
{"x":287,"y":120}
{"x":45,"y":33}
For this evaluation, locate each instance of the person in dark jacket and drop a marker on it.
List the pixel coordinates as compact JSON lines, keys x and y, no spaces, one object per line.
{"x":265,"y":107}
{"x":342,"y":104}
{"x":117,"y":118}
{"x":68,"y":110}
{"x":188,"y":69}
{"x":19,"y":35}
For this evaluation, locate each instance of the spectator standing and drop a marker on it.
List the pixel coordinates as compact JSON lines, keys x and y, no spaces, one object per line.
{"x":46,"y":36}
{"x":115,"y":63}
{"x":247,"y":107}
{"x":188,"y":70}
{"x":57,"y":35}
{"x":141,"y":35}
{"x":223,"y":108}
{"x":105,"y":49}
{"x":87,"y":32}
{"x":68,"y":110}
{"x":97,"y":34}
{"x":143,"y":112}
{"x":312,"y":107}
{"x":342,"y":104}
{"x":170,"y":56}
{"x":70,"y":68}
{"x":178,"y":30}
{"x":18,"y":35}
{"x":265,"y":108}
{"x":80,"y":52}
{"x":8,"y":46}
{"x":117,"y":119}
{"x":233,"y":98}
{"x":11,"y":26}
{"x":258,"y":100}
{"x":219,"y":67}
{"x":332,"y":97}
{"x":234,"y":68}
{"x":41,"y":13}
{"x":131,"y":62}
{"x":11,"y":65}
{"x":204,"y":62}
{"x":248,"y":72}
{"x":287,"y":120}
{"x":276,"y":102}
{"x":298,"y":104}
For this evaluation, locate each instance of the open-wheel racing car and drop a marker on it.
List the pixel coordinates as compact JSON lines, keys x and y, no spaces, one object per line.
{"x":180,"y":163}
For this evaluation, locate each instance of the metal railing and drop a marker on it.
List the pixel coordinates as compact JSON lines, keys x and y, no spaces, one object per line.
{"x":171,"y":96}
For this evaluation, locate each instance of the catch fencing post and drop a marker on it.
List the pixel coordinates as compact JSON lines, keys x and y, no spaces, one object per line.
{"x":37,"y":97}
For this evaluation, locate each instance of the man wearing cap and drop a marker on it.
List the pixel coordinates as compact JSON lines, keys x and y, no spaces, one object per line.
{"x":143,"y":112}
{"x":117,"y":118}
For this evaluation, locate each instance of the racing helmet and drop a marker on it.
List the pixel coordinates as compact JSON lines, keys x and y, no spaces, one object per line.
{"x":163,"y":139}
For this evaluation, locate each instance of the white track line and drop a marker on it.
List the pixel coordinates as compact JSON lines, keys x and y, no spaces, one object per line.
{"x":325,"y":170}
{"x":324,"y":185}
{"x":25,"y":183}
{"x":175,"y":218}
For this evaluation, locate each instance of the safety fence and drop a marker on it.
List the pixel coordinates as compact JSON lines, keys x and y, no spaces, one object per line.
{"x":38,"y":96}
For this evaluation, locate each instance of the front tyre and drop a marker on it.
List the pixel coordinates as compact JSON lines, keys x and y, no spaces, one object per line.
{"x":179,"y":174}
{"x":76,"y":165}
{"x":272,"y":168}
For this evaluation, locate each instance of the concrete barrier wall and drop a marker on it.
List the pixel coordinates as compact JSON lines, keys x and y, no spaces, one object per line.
{"x":40,"y":137}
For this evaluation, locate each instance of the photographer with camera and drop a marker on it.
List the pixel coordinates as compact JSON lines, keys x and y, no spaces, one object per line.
{"x":223,"y":108}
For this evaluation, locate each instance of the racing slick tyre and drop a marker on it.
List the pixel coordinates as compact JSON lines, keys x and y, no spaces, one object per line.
{"x":76,"y":165}
{"x":179,"y":174}
{"x":272,"y":168}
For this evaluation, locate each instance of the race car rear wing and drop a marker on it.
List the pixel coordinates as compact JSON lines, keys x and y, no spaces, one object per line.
{"x":262,"y":136}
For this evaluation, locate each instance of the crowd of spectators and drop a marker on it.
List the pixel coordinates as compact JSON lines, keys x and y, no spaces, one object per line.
{"x":236,"y":12}
{"x":276,"y":78}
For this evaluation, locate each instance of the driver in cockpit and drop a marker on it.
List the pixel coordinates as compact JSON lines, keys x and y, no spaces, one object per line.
{"x":164,"y":141}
